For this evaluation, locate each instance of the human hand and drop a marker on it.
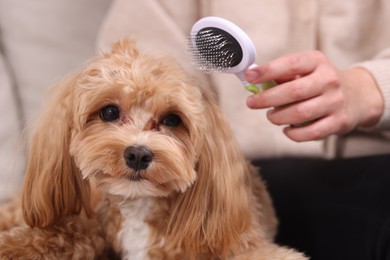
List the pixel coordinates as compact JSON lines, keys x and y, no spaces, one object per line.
{"x":311,"y":89}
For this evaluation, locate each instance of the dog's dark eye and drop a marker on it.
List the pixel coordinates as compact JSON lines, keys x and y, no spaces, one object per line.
{"x":109,"y":113}
{"x":171,"y":120}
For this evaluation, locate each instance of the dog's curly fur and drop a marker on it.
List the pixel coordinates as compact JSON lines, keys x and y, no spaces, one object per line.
{"x":131,"y":156}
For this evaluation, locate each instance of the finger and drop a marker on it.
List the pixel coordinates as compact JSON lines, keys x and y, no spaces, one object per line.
{"x":287,"y":79}
{"x":287,"y":66}
{"x":287,"y":93}
{"x":299,"y":113}
{"x":318,"y":130}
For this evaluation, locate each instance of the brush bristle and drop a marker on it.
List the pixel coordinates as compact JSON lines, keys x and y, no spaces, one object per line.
{"x":214,"y":50}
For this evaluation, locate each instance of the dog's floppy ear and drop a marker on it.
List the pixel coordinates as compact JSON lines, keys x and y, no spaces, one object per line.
{"x":53,"y":187}
{"x":214,"y":212}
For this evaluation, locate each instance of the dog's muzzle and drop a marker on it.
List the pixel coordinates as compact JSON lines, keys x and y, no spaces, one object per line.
{"x":138,"y":157}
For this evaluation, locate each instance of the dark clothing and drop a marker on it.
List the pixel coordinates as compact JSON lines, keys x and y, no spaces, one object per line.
{"x":338,"y":209}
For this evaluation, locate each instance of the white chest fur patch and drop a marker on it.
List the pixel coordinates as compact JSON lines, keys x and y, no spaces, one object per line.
{"x":135,"y":232}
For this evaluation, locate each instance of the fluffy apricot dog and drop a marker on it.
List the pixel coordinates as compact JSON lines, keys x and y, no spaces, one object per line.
{"x":131,"y":158}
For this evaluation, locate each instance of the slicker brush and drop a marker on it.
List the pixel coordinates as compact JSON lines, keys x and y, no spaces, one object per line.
{"x":218,"y":45}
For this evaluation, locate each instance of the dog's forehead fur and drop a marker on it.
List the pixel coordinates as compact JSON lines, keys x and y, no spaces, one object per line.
{"x":132,"y":80}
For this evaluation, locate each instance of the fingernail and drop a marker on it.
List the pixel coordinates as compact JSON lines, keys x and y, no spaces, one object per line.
{"x":251,"y":75}
{"x":250,"y":102}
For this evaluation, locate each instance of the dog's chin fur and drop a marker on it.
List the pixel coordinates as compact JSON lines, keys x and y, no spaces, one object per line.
{"x":196,"y":198}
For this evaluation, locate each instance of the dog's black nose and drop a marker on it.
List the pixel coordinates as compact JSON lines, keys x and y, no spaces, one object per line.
{"x":138,"y":157}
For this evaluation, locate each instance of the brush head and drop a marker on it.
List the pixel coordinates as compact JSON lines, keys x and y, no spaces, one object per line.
{"x":215,"y":50}
{"x":217,"y":45}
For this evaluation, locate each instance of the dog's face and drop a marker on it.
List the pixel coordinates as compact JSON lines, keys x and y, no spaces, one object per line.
{"x":139,"y":125}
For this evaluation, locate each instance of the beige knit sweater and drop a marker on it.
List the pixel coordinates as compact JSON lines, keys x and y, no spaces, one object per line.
{"x":349,"y":32}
